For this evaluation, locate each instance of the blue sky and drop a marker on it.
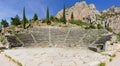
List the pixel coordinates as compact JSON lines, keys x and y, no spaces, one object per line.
{"x":9,"y":8}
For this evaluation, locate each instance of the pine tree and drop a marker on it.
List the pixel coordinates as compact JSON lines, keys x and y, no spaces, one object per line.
{"x":47,"y":16}
{"x":64,"y":15}
{"x":4,"y":23}
{"x":24,"y":20}
{"x":35,"y":17}
{"x":15,"y":21}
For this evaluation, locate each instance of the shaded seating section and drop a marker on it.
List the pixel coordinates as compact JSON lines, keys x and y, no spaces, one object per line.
{"x":26,"y":38}
{"x":13,"y":42}
{"x":102,"y":40}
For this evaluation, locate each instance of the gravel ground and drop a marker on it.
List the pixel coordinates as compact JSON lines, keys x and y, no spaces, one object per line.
{"x":56,"y":56}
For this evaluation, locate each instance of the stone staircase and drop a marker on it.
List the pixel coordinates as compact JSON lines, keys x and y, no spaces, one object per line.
{"x":26,"y":38}
{"x":60,"y":37}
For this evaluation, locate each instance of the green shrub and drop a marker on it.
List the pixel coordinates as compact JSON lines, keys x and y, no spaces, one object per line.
{"x":87,"y":27}
{"x":4,"y":43}
{"x":54,"y":19}
{"x":109,"y":29}
{"x":114,"y":55}
{"x":99,"y":45}
{"x":102,"y":64}
{"x":57,"y":20}
{"x":99,"y":26}
{"x":19,"y":26}
{"x":78,"y":22}
{"x":92,"y":27}
{"x":43,"y":21}
{"x":28,"y":25}
{"x":118,"y":36}
{"x":110,"y":59}
{"x":12,"y":27}
{"x":2,"y":38}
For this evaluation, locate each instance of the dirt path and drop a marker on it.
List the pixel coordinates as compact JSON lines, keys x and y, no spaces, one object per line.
{"x":6,"y":62}
{"x":115,"y":61}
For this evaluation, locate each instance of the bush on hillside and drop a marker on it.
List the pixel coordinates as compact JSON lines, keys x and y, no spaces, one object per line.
{"x":55,"y":19}
{"x":109,"y":29}
{"x":118,"y":36}
{"x":2,"y":38}
{"x":90,"y":27}
{"x":99,"y":26}
{"x":12,"y":27}
{"x":15,"y":20}
{"x":78,"y":22}
{"x":102,"y":64}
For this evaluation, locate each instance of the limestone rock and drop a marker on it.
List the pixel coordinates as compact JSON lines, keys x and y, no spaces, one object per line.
{"x":113,"y":10}
{"x":112,"y":17}
{"x":80,"y":11}
{"x":115,"y":24}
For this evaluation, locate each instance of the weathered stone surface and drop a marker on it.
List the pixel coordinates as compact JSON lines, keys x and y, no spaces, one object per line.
{"x":80,"y":10}
{"x":112,"y":10}
{"x":112,"y":18}
{"x":59,"y":37}
{"x":114,"y":23}
{"x":56,"y":56}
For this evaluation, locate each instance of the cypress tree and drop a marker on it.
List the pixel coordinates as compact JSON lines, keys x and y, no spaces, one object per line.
{"x":0,"y":26}
{"x":72,"y":17}
{"x":24,"y":20}
{"x":35,"y":17}
{"x":64,"y":15}
{"x":47,"y":16}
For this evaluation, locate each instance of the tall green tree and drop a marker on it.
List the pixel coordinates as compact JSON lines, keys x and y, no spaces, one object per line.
{"x":15,"y":21}
{"x":35,"y":17}
{"x":47,"y":16}
{"x":24,"y":19}
{"x":4,"y":23}
{"x":0,"y":26}
{"x":72,"y":17}
{"x":64,"y":15}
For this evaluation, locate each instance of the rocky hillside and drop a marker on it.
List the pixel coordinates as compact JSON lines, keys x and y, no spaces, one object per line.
{"x":109,"y":18}
{"x":80,"y":10}
{"x":112,"y":10}
{"x":112,"y":17}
